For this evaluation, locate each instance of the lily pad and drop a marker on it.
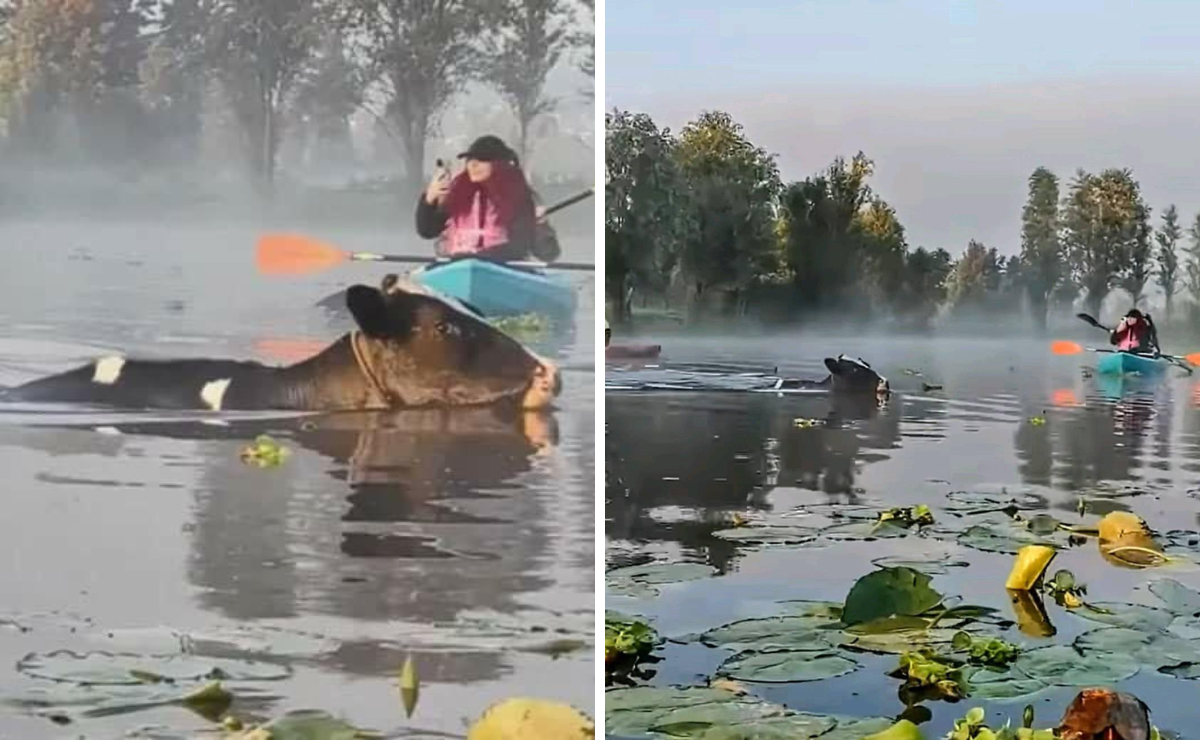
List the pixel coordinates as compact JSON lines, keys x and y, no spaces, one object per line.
{"x":965,"y":503}
{"x":659,"y":573}
{"x":635,"y":711}
{"x":999,"y":685}
{"x":1178,"y":597}
{"x":1186,"y":671}
{"x":307,"y":724}
{"x":786,"y":666}
{"x":792,"y":633}
{"x":1134,"y":616}
{"x":1060,"y":665}
{"x":931,"y":564}
{"x":1150,"y":648}
{"x":895,"y":643}
{"x":638,"y":581}
{"x":768,"y":535}
{"x":867,"y":530}
{"x":262,"y":640}
{"x":830,"y":611}
{"x":888,"y":592}
{"x":1007,"y":537}
{"x":126,"y":669}
{"x":799,"y":725}
{"x":856,"y":728}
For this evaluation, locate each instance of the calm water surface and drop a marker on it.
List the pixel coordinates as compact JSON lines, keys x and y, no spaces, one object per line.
{"x":464,"y":540}
{"x":683,"y":455}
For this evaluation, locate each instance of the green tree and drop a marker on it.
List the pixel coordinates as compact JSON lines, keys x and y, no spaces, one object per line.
{"x":1042,"y":252}
{"x":646,"y":208}
{"x":1167,"y":236}
{"x":734,"y":186}
{"x":328,"y":95}
{"x":527,"y":43}
{"x":422,"y":54}
{"x":260,"y":51}
{"x":977,"y":279}
{"x":1101,"y":218}
{"x":587,"y":40}
{"x":1138,"y":268}
{"x":172,"y":79}
{"x":925,"y":275}
{"x":822,"y":248}
{"x":1192,"y":272}
{"x":883,"y":247}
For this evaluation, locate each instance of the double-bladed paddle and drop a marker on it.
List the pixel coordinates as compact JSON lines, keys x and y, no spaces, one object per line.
{"x":1062,"y":347}
{"x":296,"y":254}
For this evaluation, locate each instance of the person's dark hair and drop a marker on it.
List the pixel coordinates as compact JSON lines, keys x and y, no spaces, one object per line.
{"x":1134,"y":314}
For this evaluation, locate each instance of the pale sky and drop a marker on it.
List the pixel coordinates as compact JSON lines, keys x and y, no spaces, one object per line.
{"x":957,"y":103}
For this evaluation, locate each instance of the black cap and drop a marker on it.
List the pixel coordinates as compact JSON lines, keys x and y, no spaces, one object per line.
{"x":489,"y":149}
{"x":1134,"y":314}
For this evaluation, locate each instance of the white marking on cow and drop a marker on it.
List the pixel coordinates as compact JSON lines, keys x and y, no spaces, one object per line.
{"x":213,"y":393}
{"x":111,"y":431}
{"x":108,"y":370}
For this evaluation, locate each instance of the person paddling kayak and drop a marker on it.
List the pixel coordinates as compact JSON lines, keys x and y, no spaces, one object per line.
{"x":1136,"y":333}
{"x":487,"y":210}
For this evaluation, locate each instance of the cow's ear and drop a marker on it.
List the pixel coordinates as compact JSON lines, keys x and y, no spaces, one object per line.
{"x":832,"y":365}
{"x":369,"y":309}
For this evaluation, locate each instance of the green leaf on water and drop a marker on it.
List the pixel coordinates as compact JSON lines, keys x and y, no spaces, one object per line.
{"x":786,"y":666}
{"x":1006,"y":537}
{"x":888,"y":592}
{"x":1060,"y":665}
{"x":306,"y":724}
{"x":902,"y":730}
{"x":636,"y":711}
{"x":1178,"y":597}
{"x":792,"y":633}
{"x":410,"y":686}
{"x":124,"y":669}
{"x":1134,"y":616}
{"x":768,"y":535}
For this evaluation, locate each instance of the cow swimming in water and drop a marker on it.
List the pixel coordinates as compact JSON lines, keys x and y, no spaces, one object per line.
{"x":410,"y":349}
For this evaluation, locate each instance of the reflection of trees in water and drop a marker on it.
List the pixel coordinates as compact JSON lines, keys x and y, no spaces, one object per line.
{"x":721,"y":453}
{"x":1104,"y":440}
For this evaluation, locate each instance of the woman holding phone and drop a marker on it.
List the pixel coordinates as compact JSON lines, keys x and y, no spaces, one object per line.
{"x":487,"y":210}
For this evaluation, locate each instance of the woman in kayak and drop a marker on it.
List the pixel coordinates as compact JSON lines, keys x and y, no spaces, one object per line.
{"x":1136,"y":333}
{"x":487,"y":210}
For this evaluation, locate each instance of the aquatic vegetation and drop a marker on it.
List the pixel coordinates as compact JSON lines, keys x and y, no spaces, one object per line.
{"x":265,"y":453}
{"x":1037,"y":421}
{"x":528,"y":327}
{"x":639,"y":580}
{"x":918,"y":515}
{"x":889,"y":592}
{"x":1065,"y":590}
{"x":628,"y":642}
{"x":990,"y":651}
{"x":806,"y":423}
{"x":928,"y":675}
{"x":302,"y":724}
{"x":709,"y":712}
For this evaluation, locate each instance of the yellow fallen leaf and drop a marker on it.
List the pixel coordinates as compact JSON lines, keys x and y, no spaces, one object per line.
{"x":532,"y":719}
{"x":1029,"y":566}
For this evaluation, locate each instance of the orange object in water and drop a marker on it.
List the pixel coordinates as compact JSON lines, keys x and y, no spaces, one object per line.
{"x":293,"y":254}
{"x":1064,"y":397}
{"x":1063,"y":347}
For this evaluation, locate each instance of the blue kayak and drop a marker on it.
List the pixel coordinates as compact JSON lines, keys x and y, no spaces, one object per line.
{"x":1121,"y":363}
{"x":495,"y":289}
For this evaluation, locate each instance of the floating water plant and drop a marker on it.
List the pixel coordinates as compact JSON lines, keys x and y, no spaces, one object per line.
{"x":265,"y":453}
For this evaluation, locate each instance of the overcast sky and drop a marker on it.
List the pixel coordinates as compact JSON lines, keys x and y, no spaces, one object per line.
{"x":957,"y":103}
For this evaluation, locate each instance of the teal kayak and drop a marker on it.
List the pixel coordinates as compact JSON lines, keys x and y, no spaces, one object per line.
{"x":1121,"y":363}
{"x":495,"y":289}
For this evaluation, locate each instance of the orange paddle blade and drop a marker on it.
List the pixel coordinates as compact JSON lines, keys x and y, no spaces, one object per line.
{"x":1063,"y":347}
{"x":1193,"y":358}
{"x":289,"y":350}
{"x":293,"y":254}
{"x":1064,"y":397}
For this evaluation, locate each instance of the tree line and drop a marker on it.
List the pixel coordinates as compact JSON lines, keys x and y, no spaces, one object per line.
{"x":705,"y":215}
{"x":139,"y":80}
